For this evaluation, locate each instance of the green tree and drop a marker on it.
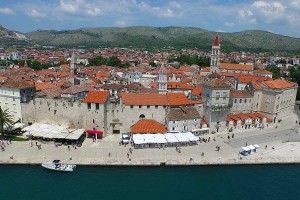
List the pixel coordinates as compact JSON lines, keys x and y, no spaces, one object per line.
{"x":275,"y":71}
{"x":36,"y":65}
{"x":6,"y":119}
{"x":114,"y":61}
{"x":152,"y":64}
{"x":21,"y":63}
{"x":97,"y":61}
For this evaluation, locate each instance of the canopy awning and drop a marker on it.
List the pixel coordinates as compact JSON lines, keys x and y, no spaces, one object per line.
{"x":246,"y":149}
{"x":94,"y":132}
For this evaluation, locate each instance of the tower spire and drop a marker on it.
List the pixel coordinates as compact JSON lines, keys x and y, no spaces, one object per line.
{"x":217,"y":41}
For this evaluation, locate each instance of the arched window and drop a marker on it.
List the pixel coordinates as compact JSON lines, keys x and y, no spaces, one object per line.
{"x":142,"y":116}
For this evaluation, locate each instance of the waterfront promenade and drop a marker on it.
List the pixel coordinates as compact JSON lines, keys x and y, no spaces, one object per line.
{"x":284,"y":139}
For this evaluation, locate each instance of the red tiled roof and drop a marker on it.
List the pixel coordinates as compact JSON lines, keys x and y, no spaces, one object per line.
{"x":148,"y":126}
{"x":144,"y":99}
{"x":205,"y":69}
{"x":249,"y":78}
{"x":96,"y":96}
{"x":231,"y":66}
{"x":261,"y":71}
{"x":279,"y":84}
{"x":44,"y":86}
{"x":233,"y":117}
{"x":243,"y":116}
{"x":256,"y":85}
{"x":178,"y":99}
{"x":179,"y":85}
{"x":240,"y":93}
{"x":259,"y":115}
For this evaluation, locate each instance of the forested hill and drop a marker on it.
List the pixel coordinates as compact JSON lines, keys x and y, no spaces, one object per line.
{"x":160,"y":37}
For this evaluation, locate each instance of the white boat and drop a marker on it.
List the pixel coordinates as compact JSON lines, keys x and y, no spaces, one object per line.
{"x":58,"y":166}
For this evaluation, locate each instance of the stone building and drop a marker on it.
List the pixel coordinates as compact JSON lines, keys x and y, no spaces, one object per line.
{"x":278,"y":98}
{"x":215,"y":94}
{"x":88,"y":114}
{"x":12,"y":94}
{"x":241,"y":101}
{"x":183,"y":119}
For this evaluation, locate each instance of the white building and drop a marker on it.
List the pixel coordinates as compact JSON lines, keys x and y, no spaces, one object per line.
{"x":12,"y":94}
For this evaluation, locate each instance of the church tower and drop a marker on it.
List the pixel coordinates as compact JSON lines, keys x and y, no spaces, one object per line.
{"x":215,"y":56}
{"x":162,"y":80}
{"x":73,"y":63}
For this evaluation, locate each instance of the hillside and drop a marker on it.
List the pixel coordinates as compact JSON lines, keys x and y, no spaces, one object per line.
{"x":152,"y":37}
{"x":8,"y":37}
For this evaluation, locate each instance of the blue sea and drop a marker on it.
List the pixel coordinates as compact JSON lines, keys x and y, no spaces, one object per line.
{"x":150,"y":183}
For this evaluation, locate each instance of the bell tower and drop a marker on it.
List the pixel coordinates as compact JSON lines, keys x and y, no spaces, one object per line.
{"x":73,"y":63}
{"x":162,"y":80}
{"x":215,"y":56}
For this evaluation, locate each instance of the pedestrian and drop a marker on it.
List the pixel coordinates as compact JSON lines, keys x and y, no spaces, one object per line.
{"x":214,"y":139}
{"x":266,"y":146}
{"x":208,"y":139}
{"x":35,"y":143}
{"x":228,"y":137}
{"x":127,"y":155}
{"x":31,"y":143}
{"x":232,"y":135}
{"x":130,"y":150}
{"x":246,"y":144}
{"x":109,"y":154}
{"x":69,"y":147}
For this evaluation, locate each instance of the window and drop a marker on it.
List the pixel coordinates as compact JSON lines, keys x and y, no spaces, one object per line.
{"x":240,"y":100}
{"x":245,"y":101}
{"x":89,"y":105}
{"x":156,"y":107}
{"x":235,"y":100}
{"x":142,"y":116}
{"x":131,"y":106}
{"x":224,"y":95}
{"x":164,"y":106}
{"x":140,"y":106}
{"x":97,"y":106}
{"x":217,"y":95}
{"x":148,"y":106}
{"x":173,"y":122}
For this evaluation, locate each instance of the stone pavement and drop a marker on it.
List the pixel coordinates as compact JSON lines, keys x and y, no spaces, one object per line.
{"x":109,"y":152}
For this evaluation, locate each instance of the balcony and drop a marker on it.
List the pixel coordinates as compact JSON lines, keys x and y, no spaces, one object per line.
{"x":220,"y":108}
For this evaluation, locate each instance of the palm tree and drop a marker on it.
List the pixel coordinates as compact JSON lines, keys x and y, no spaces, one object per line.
{"x":6,"y":119}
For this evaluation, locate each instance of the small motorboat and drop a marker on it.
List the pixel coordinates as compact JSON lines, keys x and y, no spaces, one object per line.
{"x":58,"y":166}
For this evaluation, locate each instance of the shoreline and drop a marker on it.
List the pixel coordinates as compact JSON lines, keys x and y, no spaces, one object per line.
{"x":278,"y":146}
{"x":166,"y":164}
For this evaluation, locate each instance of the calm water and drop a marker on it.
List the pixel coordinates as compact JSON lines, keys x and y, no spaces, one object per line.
{"x":228,"y":182}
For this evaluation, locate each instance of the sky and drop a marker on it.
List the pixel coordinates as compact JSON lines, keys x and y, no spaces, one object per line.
{"x":279,"y":16}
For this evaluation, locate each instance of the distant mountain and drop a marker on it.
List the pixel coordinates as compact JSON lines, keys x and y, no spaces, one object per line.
{"x":174,"y":37}
{"x":8,"y":37}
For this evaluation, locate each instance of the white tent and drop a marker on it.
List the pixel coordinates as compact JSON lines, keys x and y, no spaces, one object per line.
{"x":75,"y":134}
{"x":170,"y":137}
